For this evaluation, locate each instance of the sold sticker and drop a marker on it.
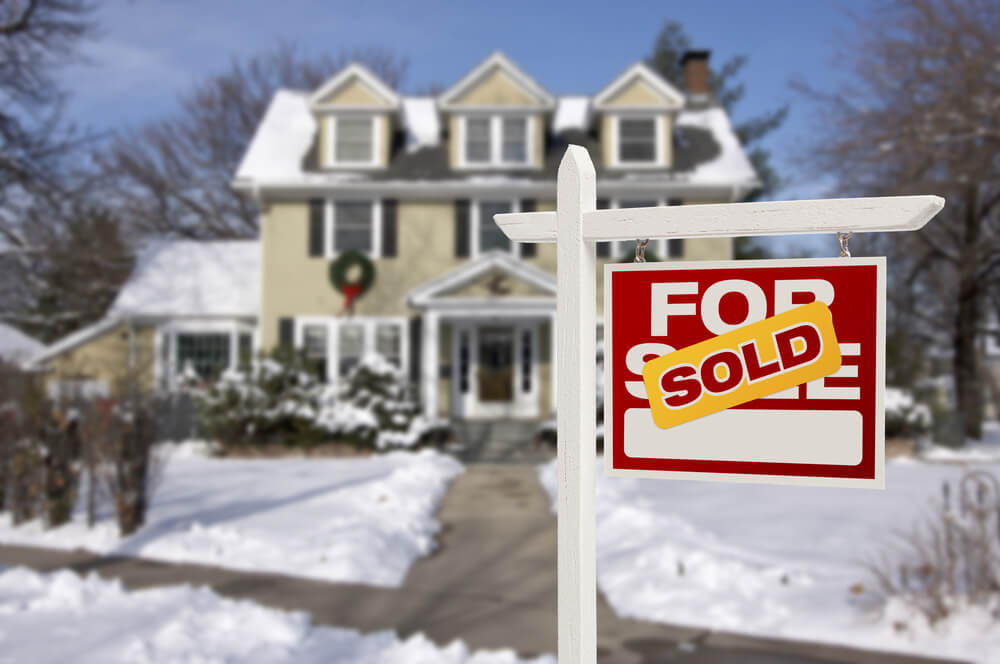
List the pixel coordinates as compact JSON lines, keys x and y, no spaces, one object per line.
{"x":748,"y":363}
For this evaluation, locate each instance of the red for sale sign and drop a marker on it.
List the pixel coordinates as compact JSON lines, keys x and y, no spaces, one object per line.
{"x":758,"y":371}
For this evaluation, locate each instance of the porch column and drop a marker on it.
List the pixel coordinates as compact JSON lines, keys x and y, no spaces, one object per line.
{"x":429,"y":363}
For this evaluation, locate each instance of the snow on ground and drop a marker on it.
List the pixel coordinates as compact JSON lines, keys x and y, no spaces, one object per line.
{"x":771,"y":560}
{"x":986,"y":450}
{"x":362,"y":520}
{"x":63,"y":617}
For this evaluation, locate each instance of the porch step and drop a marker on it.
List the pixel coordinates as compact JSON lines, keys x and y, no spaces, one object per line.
{"x":499,"y":441}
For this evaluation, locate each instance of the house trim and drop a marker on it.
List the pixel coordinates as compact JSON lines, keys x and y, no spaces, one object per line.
{"x":353,"y":70}
{"x":427,"y":294}
{"x":673,"y":98}
{"x":448,"y":100}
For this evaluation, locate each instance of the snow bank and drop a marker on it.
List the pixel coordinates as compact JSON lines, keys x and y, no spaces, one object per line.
{"x":771,"y":560}
{"x":572,"y":113}
{"x":63,"y":617}
{"x":361,"y":520}
{"x":420,"y":117}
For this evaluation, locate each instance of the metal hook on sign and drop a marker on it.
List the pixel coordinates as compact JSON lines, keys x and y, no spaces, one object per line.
{"x":640,"y":250}
{"x":844,"y":238}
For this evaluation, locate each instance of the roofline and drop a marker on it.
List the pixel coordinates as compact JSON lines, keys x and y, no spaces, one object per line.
{"x":640,"y":69}
{"x":436,"y":189}
{"x":362,"y":72}
{"x":499,"y":59}
{"x":420,"y":296}
{"x":74,"y":339}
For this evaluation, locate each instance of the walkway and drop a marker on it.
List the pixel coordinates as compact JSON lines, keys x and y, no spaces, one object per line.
{"x":492,"y":583}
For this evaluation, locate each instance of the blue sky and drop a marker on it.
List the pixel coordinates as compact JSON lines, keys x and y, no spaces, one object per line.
{"x":148,"y":50}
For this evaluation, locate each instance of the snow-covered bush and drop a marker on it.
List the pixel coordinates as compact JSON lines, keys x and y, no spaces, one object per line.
{"x":279,"y":401}
{"x":903,"y":415}
{"x":952,"y":560}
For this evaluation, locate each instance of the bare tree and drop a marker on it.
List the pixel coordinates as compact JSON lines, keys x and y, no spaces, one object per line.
{"x":172,"y":176}
{"x":36,"y":36}
{"x":919,"y":114}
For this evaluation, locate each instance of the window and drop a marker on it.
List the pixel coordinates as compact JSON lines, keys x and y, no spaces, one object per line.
{"x":477,"y":140}
{"x":314,"y":344}
{"x":515,"y":139}
{"x":205,"y":354}
{"x":389,"y":343}
{"x":351,"y":347}
{"x":490,"y":235}
{"x":353,"y":140}
{"x":637,"y":140}
{"x":353,"y":224}
{"x":497,"y":140}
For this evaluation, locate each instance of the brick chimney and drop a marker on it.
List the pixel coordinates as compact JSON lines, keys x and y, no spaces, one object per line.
{"x":695,"y":64}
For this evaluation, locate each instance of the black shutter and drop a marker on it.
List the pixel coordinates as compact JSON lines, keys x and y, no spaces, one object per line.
{"x":462,"y":228}
{"x":316,"y":227}
{"x":529,"y":249}
{"x":286,"y":333}
{"x":416,"y":330}
{"x":603,"y":248}
{"x":389,"y":206}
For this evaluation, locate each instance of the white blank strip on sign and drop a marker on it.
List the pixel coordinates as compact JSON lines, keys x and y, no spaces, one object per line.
{"x":834,"y":438}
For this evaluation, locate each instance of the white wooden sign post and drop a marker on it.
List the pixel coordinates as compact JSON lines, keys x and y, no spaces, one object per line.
{"x":575,"y":226}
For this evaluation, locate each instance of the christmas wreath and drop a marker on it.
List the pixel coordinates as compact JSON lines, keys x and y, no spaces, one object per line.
{"x":351,"y":290}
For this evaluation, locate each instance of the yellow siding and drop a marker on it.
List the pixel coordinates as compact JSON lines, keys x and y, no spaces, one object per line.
{"x":497,"y":89}
{"x":354,"y":93}
{"x":106,"y":358}
{"x":384,"y":128}
{"x":455,"y":140}
{"x":637,"y":93}
{"x":296,"y":285}
{"x":539,"y":128}
{"x":545,"y":257}
{"x":668,"y":140}
{"x":708,"y":249}
{"x":607,"y":142}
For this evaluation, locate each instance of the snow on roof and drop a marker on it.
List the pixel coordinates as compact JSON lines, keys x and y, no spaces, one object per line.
{"x":282,"y":139}
{"x":192,"y":278}
{"x":16,"y":346}
{"x":731,"y":165}
{"x":572,"y":112}
{"x":423,"y":127}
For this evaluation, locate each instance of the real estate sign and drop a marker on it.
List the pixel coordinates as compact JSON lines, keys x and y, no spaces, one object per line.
{"x":761,"y":371}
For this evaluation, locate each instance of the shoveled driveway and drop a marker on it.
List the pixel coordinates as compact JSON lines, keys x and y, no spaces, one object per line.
{"x":491,"y":582}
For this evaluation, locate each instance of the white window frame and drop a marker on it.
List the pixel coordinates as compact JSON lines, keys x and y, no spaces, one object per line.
{"x":619,"y":247}
{"x":330,"y":225}
{"x":496,"y":141}
{"x":331,"y":148}
{"x":474,"y":215}
{"x":166,"y":333}
{"x":368,"y":323}
{"x":659,"y":126}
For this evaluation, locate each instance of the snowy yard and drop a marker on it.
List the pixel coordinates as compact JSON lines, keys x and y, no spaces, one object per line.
{"x":362,"y":520}
{"x":63,"y":617}
{"x":772,"y":560}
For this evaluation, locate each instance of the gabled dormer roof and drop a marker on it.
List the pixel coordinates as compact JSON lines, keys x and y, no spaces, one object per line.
{"x":446,"y":289}
{"x":639,"y":88}
{"x":499,"y":72}
{"x":354,"y":87}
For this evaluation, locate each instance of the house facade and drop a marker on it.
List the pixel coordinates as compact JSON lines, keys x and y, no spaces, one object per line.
{"x":412,"y":184}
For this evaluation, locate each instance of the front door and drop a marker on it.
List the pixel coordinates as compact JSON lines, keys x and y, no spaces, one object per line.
{"x":496,"y":364}
{"x":495,"y":370}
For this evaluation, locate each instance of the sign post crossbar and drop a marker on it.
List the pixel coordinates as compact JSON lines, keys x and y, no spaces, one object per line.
{"x":575,"y":226}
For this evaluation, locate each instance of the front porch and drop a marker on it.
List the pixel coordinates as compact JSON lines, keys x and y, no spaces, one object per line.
{"x":487,"y":334}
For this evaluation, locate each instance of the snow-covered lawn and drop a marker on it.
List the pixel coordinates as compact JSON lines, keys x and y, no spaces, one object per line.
{"x":62,"y":617}
{"x":362,"y":520}
{"x":772,"y":560}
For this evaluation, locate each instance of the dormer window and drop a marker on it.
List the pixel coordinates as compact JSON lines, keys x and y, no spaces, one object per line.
{"x":496,"y":140}
{"x":638,"y":141}
{"x":353,"y":140}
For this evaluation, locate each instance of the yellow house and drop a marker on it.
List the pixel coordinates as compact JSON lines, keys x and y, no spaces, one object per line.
{"x":412,"y":184}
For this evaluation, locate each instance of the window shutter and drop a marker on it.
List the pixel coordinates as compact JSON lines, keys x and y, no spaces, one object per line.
{"x":603,"y":248}
{"x":389,"y":207}
{"x":461,"y":228}
{"x":675,"y":246}
{"x":529,"y":249}
{"x":286,"y":333}
{"x":316,"y":227}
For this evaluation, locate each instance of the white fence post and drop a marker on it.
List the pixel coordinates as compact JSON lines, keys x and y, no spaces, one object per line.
{"x":576,"y":194}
